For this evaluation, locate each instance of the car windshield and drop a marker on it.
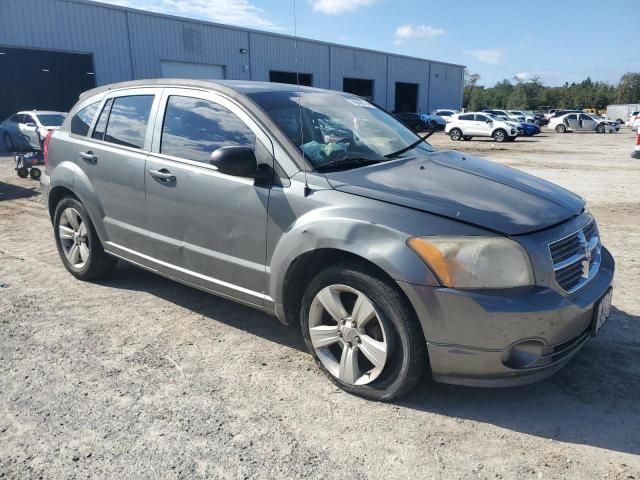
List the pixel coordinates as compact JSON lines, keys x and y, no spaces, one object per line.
{"x":494,"y":117}
{"x":336,"y":129}
{"x":51,"y":119}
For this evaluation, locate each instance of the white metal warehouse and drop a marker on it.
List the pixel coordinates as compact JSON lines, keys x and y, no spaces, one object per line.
{"x":51,"y":50}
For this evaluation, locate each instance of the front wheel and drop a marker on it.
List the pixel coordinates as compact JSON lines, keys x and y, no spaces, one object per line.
{"x":78,"y":244}
{"x":455,"y":134}
{"x":362,"y":332}
{"x":500,"y":135}
{"x":23,"y":172}
{"x":600,"y":128}
{"x":561,"y":128}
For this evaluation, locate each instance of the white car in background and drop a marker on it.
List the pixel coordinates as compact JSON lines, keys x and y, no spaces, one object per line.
{"x":505,"y":115}
{"x":25,"y":130}
{"x":445,"y":113}
{"x":630,"y":119}
{"x":520,"y":114}
{"x":635,"y":123}
{"x":465,"y":126}
{"x":582,"y":122}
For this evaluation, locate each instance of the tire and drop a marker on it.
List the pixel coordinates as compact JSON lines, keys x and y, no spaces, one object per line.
{"x":561,"y":128}
{"x":23,"y":172}
{"x":500,"y":135}
{"x":600,"y":128}
{"x":391,"y":323}
{"x":73,"y":229}
{"x":35,"y":173}
{"x":455,"y":134}
{"x":466,"y":138}
{"x":8,"y":142}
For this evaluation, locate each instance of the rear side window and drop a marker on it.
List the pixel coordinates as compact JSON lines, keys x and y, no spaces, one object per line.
{"x":127,"y":123}
{"x":481,"y":118}
{"x":101,"y":125}
{"x":194,"y":128}
{"x":81,"y":121}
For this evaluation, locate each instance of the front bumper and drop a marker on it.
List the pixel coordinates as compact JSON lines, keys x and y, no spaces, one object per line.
{"x":505,"y":338}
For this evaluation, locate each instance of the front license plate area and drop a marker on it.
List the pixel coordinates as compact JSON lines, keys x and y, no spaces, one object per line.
{"x":601,"y":312}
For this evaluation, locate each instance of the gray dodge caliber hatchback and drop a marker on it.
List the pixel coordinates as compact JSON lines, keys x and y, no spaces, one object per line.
{"x":322,"y":209}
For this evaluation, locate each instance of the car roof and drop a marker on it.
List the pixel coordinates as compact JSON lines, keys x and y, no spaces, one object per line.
{"x":238,"y":86}
{"x":38,"y":112}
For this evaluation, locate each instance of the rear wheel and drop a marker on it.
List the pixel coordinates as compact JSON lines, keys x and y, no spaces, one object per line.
{"x":455,"y":134}
{"x":23,"y":172}
{"x":561,"y":128}
{"x":78,"y":243}
{"x":500,"y":135}
{"x":362,"y":332}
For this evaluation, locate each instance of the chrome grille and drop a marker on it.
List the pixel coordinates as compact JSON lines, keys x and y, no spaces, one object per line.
{"x":576,"y":258}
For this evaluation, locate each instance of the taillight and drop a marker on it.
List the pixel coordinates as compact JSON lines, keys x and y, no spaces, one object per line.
{"x":45,"y":148}
{"x":638,"y":139}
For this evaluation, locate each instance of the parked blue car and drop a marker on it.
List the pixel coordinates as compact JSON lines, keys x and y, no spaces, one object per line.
{"x":530,"y":129}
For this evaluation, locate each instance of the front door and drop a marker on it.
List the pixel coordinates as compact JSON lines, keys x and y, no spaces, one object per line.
{"x":207,"y":228}
{"x":113,"y":161}
{"x":588,"y":123}
{"x":482,"y":125}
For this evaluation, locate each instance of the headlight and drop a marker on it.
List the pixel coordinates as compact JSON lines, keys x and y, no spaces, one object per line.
{"x":475,"y":262}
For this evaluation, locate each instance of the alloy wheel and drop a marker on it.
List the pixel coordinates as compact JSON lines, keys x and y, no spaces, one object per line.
{"x":73,"y":238}
{"x":347,"y":334}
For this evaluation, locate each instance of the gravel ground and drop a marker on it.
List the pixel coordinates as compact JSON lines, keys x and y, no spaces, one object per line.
{"x":140,"y":377}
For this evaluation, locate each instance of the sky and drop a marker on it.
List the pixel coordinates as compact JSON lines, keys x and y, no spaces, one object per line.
{"x":558,"y":41}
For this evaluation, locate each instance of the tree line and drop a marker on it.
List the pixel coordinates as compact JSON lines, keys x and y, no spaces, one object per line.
{"x":533,"y":94}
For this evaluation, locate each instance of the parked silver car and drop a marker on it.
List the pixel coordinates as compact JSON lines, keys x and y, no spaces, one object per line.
{"x":25,"y":130}
{"x":320,"y":208}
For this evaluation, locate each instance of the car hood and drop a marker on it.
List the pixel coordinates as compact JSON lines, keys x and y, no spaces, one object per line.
{"x":464,"y":188}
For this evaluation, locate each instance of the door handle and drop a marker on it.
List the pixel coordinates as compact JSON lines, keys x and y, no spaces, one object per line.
{"x":88,"y":157}
{"x":163,"y":175}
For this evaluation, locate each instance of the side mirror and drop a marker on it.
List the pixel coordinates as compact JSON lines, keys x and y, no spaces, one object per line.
{"x":488,"y":120}
{"x":237,"y":161}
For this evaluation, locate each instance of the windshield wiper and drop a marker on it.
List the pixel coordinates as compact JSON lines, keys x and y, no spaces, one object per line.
{"x":347,"y":161}
{"x":410,"y":147}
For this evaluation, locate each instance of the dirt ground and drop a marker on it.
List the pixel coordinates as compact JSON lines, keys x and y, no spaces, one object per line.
{"x":140,"y":377}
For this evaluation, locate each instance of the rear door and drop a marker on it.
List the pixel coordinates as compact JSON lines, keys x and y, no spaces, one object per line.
{"x":207,"y":228}
{"x":572,"y":121}
{"x":113,"y":160}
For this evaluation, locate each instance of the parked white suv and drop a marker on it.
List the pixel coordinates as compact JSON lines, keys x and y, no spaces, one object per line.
{"x":468,"y":125}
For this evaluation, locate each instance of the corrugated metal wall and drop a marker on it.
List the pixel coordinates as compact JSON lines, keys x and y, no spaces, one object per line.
{"x":129,"y":44}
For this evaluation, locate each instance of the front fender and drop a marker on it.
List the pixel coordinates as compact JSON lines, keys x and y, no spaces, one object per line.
{"x":363,"y":232}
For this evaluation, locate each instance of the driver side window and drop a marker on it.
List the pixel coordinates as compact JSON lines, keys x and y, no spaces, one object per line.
{"x":194,"y":128}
